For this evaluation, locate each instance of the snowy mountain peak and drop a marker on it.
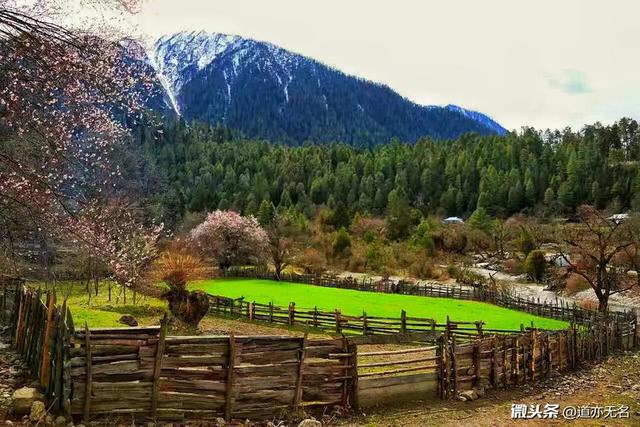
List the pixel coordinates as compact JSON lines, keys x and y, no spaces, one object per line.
{"x":266,"y":91}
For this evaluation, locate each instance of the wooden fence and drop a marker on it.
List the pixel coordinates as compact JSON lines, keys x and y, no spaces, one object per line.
{"x":555,"y":310}
{"x":144,"y":374}
{"x":503,"y":361}
{"x":335,"y":321}
{"x":41,"y":332}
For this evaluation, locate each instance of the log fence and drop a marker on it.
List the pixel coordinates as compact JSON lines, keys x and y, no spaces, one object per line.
{"x":144,"y":374}
{"x":557,"y":309}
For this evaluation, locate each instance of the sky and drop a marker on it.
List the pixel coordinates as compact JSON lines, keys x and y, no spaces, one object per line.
{"x":542,"y":63}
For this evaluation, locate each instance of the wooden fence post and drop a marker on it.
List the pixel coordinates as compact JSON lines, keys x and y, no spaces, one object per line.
{"x":354,"y":396}
{"x":364,"y":323}
{"x":475,"y":359}
{"x":228,"y":409}
{"x":292,"y":313}
{"x":157,"y":366}
{"x":46,"y":347}
{"x":454,"y":366}
{"x":88,"y":382}
{"x":271,"y":311}
{"x":297,"y":399}
{"x":440,"y":360}
{"x":338,"y":324}
{"x":403,"y":322}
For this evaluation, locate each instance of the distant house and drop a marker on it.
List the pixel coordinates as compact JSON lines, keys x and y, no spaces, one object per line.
{"x":619,"y":218}
{"x":557,"y":259}
{"x":453,"y":220}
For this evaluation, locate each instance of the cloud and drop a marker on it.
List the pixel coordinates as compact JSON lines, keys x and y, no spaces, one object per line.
{"x":569,"y":81}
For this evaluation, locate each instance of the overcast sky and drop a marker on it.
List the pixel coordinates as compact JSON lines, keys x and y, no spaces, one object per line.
{"x":545,"y":63}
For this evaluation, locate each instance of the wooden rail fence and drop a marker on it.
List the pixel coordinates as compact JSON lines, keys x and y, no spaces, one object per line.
{"x":556,"y":309}
{"x":145,"y":374}
{"x":335,"y":321}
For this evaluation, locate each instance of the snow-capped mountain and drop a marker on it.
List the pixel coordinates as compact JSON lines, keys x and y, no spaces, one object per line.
{"x":268,"y":92}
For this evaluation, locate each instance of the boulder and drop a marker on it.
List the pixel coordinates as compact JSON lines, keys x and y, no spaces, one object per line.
{"x":23,"y":399}
{"x":469,"y":394}
{"x":310,"y":422}
{"x":38,"y":412}
{"x":128,"y":320}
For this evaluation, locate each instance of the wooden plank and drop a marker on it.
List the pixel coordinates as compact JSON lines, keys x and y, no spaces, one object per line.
{"x":403,"y":351}
{"x":230,"y":367}
{"x":298,"y":390}
{"x":157,"y":367}
{"x":88,"y":375}
{"x":397,"y":371}
{"x":46,"y":348}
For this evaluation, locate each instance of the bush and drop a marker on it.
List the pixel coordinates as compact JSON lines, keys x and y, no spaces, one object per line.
{"x":575,"y":283}
{"x":536,"y":265}
{"x":312,"y":261}
{"x":512,"y":266}
{"x":342,"y":242}
{"x":527,"y":242}
{"x":423,"y":269}
{"x":589,"y":304}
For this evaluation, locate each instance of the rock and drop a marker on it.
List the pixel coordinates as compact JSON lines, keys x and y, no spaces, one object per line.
{"x":469,"y":394}
{"x":128,"y":320}
{"x":481,"y":392}
{"x":48,"y":420}
{"x":310,"y":422}
{"x":38,"y":412}
{"x":220,"y":422}
{"x":60,"y":421}
{"x":636,"y":387}
{"x":462,"y":398}
{"x":23,"y":399}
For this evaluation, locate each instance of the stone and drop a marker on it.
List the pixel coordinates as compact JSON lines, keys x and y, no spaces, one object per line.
{"x":636,"y":387}
{"x":128,"y":320}
{"x":60,"y":421}
{"x":23,"y":398}
{"x":220,"y":422}
{"x":310,"y":422}
{"x":469,"y":394}
{"x":38,"y":412}
{"x":48,"y":420}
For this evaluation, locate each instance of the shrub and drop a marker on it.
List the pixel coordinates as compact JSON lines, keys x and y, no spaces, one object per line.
{"x":536,"y":265}
{"x":512,"y":266}
{"x":589,"y":304}
{"x":575,"y":283}
{"x":423,"y":269}
{"x":342,"y":242}
{"x":312,"y":261}
{"x":527,"y":242}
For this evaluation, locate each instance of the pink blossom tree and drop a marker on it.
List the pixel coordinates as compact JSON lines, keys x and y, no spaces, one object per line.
{"x":231,"y":239}
{"x":64,"y":96}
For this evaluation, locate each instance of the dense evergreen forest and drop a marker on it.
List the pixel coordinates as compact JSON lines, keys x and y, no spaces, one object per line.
{"x":201,"y":168}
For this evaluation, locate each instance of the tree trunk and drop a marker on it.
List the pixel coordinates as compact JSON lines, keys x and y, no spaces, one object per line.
{"x":603,"y":303}
{"x":190,"y":307}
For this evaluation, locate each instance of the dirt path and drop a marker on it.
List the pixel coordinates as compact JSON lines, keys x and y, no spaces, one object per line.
{"x":620,"y":302}
{"x":13,"y":375}
{"x":613,"y":383}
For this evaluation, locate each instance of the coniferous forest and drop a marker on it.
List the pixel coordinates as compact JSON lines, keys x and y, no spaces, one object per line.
{"x":202,"y":168}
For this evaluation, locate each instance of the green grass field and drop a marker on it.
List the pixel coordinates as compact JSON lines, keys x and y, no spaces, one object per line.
{"x":353,"y":302}
{"x":99,"y":312}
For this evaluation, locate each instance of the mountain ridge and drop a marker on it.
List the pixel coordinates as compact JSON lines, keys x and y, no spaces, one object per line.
{"x":269,"y":92}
